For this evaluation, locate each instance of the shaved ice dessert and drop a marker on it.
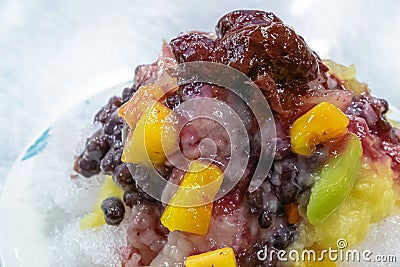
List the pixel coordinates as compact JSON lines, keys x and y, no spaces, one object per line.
{"x":332,"y":164}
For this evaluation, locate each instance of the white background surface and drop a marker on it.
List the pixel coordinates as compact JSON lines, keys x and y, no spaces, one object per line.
{"x":54,"y":54}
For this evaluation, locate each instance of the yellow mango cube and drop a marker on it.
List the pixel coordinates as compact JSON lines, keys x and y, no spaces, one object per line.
{"x":319,"y":125}
{"x":224,"y":257}
{"x":179,"y":215}
{"x":96,"y":218}
{"x":152,"y":138}
{"x":145,"y":96}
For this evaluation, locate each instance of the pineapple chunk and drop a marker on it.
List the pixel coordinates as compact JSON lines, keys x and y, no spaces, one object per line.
{"x":373,"y":198}
{"x":348,"y":77}
{"x":341,"y":71}
{"x":96,"y":218}
{"x":224,"y":257}
{"x":321,"y":124}
{"x":193,"y":219}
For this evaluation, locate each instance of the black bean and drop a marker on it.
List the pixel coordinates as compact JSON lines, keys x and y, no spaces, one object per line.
{"x":96,"y":147}
{"x":112,"y":124}
{"x":283,"y":149}
{"x":131,"y":198}
{"x":172,"y":101}
{"x":280,"y":211}
{"x":114,"y":210}
{"x":123,"y":176}
{"x":265,"y":219}
{"x":255,"y":200}
{"x":128,"y":93}
{"x":104,"y":113}
{"x":111,"y":160}
{"x":87,"y":168}
{"x":144,"y":196}
{"x":283,"y":237}
{"x":190,"y":90}
{"x":287,"y":192}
